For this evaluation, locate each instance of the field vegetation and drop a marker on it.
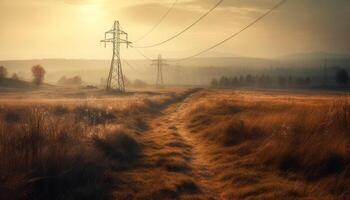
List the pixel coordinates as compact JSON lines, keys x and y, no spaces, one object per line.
{"x":66,"y":148}
{"x":272,"y":145}
{"x":59,"y":143}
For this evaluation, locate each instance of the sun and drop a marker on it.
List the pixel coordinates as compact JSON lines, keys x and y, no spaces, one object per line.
{"x":90,"y":12}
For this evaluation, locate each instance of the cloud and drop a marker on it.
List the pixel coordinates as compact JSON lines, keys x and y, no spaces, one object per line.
{"x":77,"y":2}
{"x":250,"y":4}
{"x":178,"y":15}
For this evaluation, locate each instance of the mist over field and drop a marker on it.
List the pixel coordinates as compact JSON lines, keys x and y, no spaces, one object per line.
{"x":199,"y":71}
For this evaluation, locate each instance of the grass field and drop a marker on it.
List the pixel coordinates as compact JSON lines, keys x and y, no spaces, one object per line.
{"x":63,"y":146}
{"x":272,"y":145}
{"x":174,"y":144}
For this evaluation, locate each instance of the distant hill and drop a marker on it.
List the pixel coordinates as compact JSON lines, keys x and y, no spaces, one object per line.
{"x":316,"y":56}
{"x":92,"y":71}
{"x":190,"y":72}
{"x":82,"y":64}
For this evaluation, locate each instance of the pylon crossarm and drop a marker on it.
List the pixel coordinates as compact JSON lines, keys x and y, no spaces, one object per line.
{"x":124,"y":41}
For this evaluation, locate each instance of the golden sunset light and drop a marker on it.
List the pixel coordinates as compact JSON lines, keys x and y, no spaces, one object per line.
{"x":174,"y":99}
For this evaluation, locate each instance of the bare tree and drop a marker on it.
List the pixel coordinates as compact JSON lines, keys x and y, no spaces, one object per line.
{"x":38,"y":74}
{"x":3,"y":72}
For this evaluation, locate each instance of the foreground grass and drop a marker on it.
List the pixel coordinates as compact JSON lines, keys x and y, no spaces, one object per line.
{"x":67,"y":148}
{"x":273,"y":145}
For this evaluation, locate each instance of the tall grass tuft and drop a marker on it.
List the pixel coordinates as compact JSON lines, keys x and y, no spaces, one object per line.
{"x":48,"y":158}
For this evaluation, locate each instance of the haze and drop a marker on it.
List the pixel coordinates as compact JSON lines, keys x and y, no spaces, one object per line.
{"x":73,"y":28}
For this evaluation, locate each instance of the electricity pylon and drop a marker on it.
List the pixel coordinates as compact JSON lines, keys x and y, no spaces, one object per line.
{"x":116,"y":36}
{"x":159,"y":63}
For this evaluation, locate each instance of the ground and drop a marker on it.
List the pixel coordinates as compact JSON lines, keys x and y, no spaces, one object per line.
{"x":205,"y":144}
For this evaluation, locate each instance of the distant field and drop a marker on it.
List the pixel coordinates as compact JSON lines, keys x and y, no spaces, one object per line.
{"x":73,"y":143}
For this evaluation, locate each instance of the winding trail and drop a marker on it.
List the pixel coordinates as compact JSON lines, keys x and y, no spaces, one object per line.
{"x":174,"y":165}
{"x":200,"y":165}
{"x":170,"y":132}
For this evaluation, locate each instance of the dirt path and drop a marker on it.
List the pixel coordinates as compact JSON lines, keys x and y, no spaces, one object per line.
{"x":170,"y":133}
{"x":173,"y":165}
{"x":200,"y":165}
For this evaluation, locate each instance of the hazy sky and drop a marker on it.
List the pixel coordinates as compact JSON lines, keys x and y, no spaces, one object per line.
{"x":73,"y":28}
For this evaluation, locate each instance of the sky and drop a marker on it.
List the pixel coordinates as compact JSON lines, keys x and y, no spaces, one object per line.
{"x":35,"y":29}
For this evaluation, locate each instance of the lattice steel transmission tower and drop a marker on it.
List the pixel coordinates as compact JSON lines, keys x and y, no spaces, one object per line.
{"x":159,"y":63}
{"x":116,"y":36}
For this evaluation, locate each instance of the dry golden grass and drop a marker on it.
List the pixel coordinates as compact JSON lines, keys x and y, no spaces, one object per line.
{"x":67,"y":148}
{"x":270,"y":145}
{"x":152,"y":145}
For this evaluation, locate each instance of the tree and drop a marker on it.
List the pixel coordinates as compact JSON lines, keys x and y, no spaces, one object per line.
{"x":282,"y":81}
{"x":76,"y":81}
{"x":62,"y":80}
{"x":139,"y":83}
{"x":224,"y":81}
{"x":290,"y":80}
{"x":342,"y":76}
{"x":3,"y":72}
{"x":241,"y":79}
{"x":214,"y":82}
{"x":249,"y":79}
{"x":14,"y":76}
{"x":38,"y":74}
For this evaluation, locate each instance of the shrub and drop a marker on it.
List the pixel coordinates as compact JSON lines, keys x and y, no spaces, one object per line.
{"x":120,"y":146}
{"x":231,"y":132}
{"x":14,"y":76}
{"x":94,"y":115}
{"x":12,"y":117}
{"x":139,"y":83}
{"x":60,"y":110}
{"x":76,"y":80}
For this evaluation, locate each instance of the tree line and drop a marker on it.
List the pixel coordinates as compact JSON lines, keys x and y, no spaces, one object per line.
{"x":341,"y":78}
{"x":38,"y":73}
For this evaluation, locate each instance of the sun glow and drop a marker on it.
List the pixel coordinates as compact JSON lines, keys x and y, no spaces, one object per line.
{"x":90,"y":12}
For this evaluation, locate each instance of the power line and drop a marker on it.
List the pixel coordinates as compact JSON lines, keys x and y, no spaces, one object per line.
{"x":235,"y":34}
{"x":159,"y":22}
{"x":181,"y":32}
{"x":133,"y":68}
{"x":142,"y":54}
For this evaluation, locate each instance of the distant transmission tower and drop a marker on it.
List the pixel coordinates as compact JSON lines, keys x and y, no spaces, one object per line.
{"x":116,"y":36}
{"x":159,"y":63}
